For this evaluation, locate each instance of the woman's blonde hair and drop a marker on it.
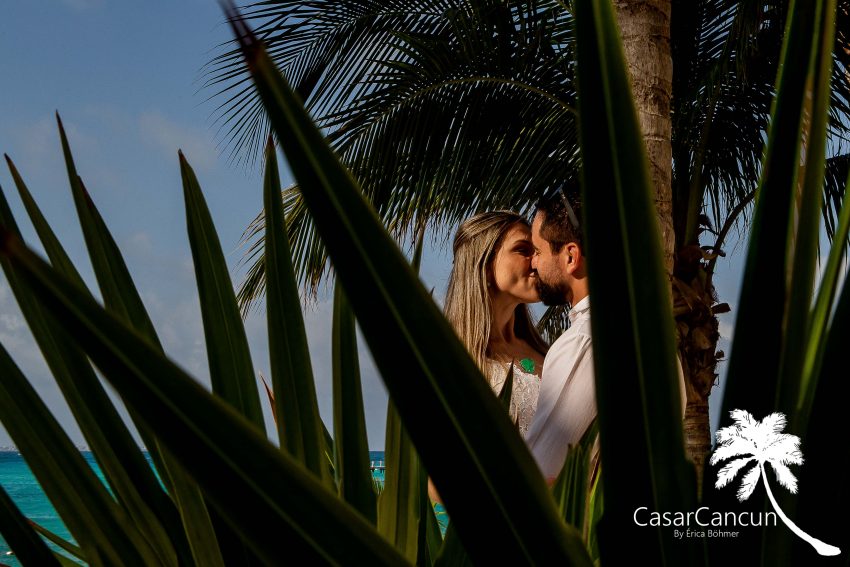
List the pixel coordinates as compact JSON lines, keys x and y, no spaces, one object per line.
{"x":468,"y":306}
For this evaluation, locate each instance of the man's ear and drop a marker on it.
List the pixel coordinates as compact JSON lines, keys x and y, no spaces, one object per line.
{"x":574,"y":257}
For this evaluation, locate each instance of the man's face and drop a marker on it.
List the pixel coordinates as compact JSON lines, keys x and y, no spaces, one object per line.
{"x":552,"y":284}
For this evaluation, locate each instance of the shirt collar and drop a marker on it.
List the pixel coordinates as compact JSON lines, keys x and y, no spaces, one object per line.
{"x":579,"y":309}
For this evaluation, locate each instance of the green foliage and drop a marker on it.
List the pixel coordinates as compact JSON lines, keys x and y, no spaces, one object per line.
{"x":424,"y":95}
{"x":225,"y":481}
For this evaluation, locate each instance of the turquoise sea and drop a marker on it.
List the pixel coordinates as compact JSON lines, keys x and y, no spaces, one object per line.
{"x":20,"y":484}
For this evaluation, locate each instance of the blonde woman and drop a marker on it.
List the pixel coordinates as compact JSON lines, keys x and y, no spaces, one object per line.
{"x":490,"y":287}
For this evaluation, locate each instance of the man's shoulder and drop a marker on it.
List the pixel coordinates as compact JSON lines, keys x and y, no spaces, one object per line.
{"x":581,"y":328}
{"x":577,"y":335}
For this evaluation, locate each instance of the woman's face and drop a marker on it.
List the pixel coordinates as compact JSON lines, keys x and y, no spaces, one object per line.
{"x":512,"y":273}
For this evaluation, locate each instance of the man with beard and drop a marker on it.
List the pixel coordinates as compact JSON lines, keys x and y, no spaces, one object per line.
{"x":566,"y":406}
{"x":567,"y":403}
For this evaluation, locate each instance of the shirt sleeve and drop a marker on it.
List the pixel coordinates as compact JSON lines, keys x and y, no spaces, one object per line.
{"x":567,"y":403}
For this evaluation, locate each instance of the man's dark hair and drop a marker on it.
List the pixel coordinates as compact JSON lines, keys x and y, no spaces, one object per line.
{"x":561,"y":211}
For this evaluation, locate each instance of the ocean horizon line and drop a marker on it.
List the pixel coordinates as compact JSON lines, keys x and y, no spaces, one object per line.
{"x":87,"y":449}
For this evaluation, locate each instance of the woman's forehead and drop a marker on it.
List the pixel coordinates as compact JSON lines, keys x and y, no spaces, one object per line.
{"x":518,"y":231}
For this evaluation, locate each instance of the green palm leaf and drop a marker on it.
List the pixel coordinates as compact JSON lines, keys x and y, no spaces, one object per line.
{"x":495,"y":132}
{"x":634,"y":360}
{"x":258,"y":489}
{"x":405,"y":328}
{"x":299,"y":424}
{"x":351,"y":449}
{"x":122,"y":298}
{"x":124,"y":466}
{"x":102,"y":528}
{"x":231,"y":369}
{"x":20,"y":536}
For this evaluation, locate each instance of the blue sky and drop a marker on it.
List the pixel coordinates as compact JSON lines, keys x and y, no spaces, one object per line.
{"x":126,"y":77}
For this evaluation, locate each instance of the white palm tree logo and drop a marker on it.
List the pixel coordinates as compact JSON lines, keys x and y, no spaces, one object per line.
{"x":764,"y":442}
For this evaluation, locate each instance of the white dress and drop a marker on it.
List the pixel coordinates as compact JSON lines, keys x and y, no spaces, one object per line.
{"x":524,"y":395}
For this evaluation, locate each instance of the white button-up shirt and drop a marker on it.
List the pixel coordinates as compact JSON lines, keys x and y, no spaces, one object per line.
{"x":567,"y":402}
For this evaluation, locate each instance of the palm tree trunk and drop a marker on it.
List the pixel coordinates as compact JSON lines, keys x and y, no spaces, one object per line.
{"x":697,"y":330}
{"x":821,"y":547}
{"x":645,"y":30}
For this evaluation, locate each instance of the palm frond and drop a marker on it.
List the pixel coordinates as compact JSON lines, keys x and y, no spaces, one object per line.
{"x":784,"y":449}
{"x":836,"y":173}
{"x":734,"y":448}
{"x":553,"y":323}
{"x":442,"y":108}
{"x":728,"y":473}
{"x":744,"y":419}
{"x":449,"y":123}
{"x":748,"y":483}
{"x":773,"y":423}
{"x":725,"y":54}
{"x":785,"y":477}
{"x":325,"y":48}
{"x":722,"y":92}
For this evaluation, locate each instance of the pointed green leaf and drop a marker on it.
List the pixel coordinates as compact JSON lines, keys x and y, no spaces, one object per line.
{"x":805,"y":240}
{"x":102,"y":529}
{"x":122,"y":298}
{"x":816,"y":345}
{"x":123,"y":465}
{"x":825,"y":468}
{"x":194,"y":514}
{"x":231,"y":369}
{"x":808,"y":208}
{"x":634,"y":360}
{"x":299,"y":424}
{"x":260,"y":491}
{"x":58,"y":257}
{"x":399,"y":504}
{"x":110,"y":270}
{"x":430,"y":537}
{"x":351,"y":449}
{"x":817,"y":322}
{"x":452,"y":553}
{"x":571,"y":490}
{"x":506,"y":392}
{"x":764,"y":306}
{"x":60,"y":542}
{"x":477,"y":461}
{"x":24,"y":541}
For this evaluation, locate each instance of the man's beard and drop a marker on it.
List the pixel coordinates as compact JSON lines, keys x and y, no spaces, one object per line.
{"x":551,"y":294}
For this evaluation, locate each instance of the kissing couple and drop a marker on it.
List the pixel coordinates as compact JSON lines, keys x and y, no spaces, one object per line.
{"x":501,"y":265}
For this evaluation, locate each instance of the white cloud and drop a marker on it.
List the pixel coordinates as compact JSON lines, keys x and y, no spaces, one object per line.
{"x":11,"y":322}
{"x":726,"y":325}
{"x":169,"y":136}
{"x":179,"y":327}
{"x":140,"y":243}
{"x":41,"y":140}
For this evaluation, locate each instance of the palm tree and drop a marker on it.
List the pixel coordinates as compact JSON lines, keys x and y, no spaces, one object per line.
{"x":443,"y":108}
{"x":764,"y":442}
